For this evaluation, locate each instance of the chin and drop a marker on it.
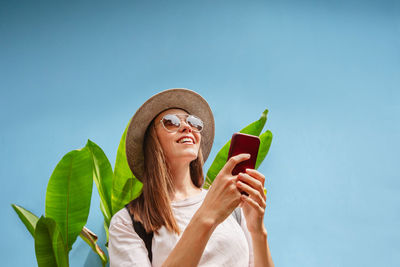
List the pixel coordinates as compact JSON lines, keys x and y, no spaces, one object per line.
{"x":189,"y":157}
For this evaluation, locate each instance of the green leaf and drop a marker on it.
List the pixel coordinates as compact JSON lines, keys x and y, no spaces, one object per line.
{"x":265,"y":144}
{"x":49,"y":245}
{"x":28,"y":218}
{"x":91,"y":239}
{"x":254,"y":128}
{"x":102,"y":175}
{"x":123,"y":191}
{"x":69,"y":192}
{"x":107,"y":232}
{"x":131,"y":190}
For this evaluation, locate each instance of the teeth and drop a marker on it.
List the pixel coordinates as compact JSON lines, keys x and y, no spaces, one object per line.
{"x":185,"y":140}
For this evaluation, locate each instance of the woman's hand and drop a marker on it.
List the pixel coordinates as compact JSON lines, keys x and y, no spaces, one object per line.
{"x":253,"y":205}
{"x":223,"y":196}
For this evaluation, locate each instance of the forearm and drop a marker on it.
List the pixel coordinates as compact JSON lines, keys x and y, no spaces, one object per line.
{"x":190,"y":246}
{"x":262,"y":255}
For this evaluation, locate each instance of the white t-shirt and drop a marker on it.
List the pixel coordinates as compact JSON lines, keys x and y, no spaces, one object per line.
{"x":229,"y":245}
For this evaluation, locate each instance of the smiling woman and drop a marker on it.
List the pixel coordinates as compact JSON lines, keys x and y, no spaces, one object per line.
{"x":175,"y":222}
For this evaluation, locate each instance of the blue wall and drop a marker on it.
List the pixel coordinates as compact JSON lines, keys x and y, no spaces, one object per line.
{"x":328,"y":71}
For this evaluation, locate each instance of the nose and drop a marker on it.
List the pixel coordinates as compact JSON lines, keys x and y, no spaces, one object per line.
{"x":185,"y":127}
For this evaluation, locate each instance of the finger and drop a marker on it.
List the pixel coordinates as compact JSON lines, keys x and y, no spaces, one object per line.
{"x":256,"y":174}
{"x":254,"y":194}
{"x":233,"y":161}
{"x":253,"y":182}
{"x":253,"y":204}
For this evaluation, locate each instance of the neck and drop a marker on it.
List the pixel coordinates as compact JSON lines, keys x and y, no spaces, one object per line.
{"x":183,"y":184}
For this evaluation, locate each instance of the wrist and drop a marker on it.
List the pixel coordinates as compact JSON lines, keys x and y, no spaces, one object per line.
{"x":260,"y":233}
{"x":204,"y":220}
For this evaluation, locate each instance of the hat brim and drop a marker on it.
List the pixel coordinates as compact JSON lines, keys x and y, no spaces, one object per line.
{"x":185,"y":99}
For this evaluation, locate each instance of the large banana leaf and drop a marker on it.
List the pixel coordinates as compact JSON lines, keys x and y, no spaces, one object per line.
{"x":126,"y":186}
{"x":254,"y":128}
{"x":28,"y":218}
{"x":49,"y":245}
{"x":69,"y":192}
{"x":102,"y":175}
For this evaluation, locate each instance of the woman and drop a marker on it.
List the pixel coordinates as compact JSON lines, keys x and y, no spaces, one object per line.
{"x":167,"y":140}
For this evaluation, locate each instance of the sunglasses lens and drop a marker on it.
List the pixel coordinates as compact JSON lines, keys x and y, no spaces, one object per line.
{"x":171,"y":122}
{"x":195,"y":123}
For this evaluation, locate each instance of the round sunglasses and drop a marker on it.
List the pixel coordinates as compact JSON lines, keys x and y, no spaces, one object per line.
{"x":172,"y":122}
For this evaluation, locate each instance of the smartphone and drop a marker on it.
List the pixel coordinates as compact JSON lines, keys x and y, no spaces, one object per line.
{"x":244,"y":143}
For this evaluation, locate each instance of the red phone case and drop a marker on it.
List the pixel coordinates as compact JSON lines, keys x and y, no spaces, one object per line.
{"x":244,"y":143}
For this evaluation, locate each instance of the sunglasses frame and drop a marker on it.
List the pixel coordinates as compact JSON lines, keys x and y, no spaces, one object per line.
{"x":179,"y":116}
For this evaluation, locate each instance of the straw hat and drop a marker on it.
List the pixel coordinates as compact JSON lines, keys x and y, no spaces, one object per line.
{"x":185,"y":99}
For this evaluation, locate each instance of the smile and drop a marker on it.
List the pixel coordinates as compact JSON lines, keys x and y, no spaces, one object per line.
{"x":185,"y":140}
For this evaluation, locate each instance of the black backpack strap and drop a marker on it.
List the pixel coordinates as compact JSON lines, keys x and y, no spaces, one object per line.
{"x":146,"y":237}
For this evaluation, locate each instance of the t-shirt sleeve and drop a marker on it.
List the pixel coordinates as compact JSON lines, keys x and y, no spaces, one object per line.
{"x":248,"y":238}
{"x":125,"y":247}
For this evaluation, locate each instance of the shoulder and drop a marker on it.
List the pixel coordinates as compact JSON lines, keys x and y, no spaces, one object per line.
{"x":121,"y":217}
{"x":121,"y":226}
{"x":125,"y":247}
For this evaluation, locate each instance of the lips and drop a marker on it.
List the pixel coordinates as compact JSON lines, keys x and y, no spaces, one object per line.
{"x":186,"y":140}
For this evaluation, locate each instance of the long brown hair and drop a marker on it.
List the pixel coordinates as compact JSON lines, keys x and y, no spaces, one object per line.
{"x":153,"y":207}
